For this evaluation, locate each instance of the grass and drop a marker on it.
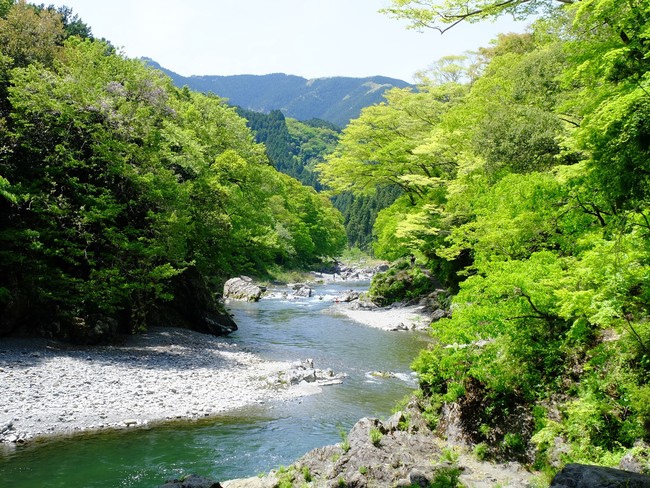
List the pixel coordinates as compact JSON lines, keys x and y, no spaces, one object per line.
{"x":345,"y":443}
{"x":449,"y":455}
{"x":375,"y":436}
{"x":306,"y":474}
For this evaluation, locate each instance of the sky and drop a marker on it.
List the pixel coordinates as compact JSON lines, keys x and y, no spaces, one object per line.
{"x":309,"y":38}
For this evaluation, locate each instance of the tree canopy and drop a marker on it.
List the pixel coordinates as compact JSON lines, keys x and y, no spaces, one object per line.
{"x":526,"y":193}
{"x":443,"y":15}
{"x":114,"y":183}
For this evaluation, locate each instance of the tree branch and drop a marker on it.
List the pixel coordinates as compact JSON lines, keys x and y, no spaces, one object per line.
{"x":595,"y":211}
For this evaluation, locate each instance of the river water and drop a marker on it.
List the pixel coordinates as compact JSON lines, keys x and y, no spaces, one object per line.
{"x":252,"y":440}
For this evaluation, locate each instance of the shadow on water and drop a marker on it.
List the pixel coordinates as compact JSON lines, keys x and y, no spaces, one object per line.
{"x":251,"y":440}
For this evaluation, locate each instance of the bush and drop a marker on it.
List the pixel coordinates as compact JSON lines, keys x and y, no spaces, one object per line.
{"x":400,"y":283}
{"x":481,"y":451}
{"x":345,"y":443}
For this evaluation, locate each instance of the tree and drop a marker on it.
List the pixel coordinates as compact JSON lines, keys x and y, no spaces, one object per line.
{"x":550,"y":200}
{"x":442,"y":16}
{"x":114,"y":184}
{"x":29,"y":35}
{"x":5,"y":5}
{"x":380,"y":148}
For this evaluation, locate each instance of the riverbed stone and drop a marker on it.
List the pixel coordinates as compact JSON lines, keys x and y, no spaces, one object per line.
{"x":242,"y":288}
{"x":303,"y":292}
{"x":304,"y":371}
{"x":269,"y":481}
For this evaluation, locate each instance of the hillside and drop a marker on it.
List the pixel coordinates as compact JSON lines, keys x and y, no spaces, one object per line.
{"x":337,"y":99}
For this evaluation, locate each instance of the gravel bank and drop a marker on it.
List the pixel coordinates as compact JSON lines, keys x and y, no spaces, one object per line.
{"x":50,"y":388}
{"x":413,"y":317}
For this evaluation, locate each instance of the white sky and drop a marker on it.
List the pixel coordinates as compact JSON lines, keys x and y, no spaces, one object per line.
{"x":310,"y":38}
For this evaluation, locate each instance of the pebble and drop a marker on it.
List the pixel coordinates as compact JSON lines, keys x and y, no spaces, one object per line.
{"x":71,"y":389}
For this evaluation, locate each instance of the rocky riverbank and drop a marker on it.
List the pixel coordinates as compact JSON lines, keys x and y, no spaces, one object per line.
{"x":403,"y":452}
{"x":53,"y":388}
{"x":399,"y":452}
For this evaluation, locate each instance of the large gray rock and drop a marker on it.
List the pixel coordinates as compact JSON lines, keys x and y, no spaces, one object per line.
{"x":242,"y":288}
{"x":584,"y":476}
{"x":302,"y":290}
{"x":193,"y":307}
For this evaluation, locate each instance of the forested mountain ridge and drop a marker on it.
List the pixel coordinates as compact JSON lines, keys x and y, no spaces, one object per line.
{"x":296,"y":148}
{"x":337,"y":99}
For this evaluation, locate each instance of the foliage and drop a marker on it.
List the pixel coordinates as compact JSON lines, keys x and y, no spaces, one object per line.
{"x":113,"y":183}
{"x":306,"y":474}
{"x":345,"y":443}
{"x":481,"y":451}
{"x":444,"y":15}
{"x":446,"y":477}
{"x":360,"y":214}
{"x":525,"y":189}
{"x":400,"y":282}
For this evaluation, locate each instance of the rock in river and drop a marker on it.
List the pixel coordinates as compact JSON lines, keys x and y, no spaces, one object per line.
{"x":242,"y":288}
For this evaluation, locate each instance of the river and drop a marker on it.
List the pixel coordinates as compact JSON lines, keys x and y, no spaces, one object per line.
{"x":252,"y":440}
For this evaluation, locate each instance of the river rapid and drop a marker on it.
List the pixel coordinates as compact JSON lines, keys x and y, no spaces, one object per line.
{"x":250,"y":440}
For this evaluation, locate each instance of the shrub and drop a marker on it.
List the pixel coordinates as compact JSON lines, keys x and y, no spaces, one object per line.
{"x":446,"y":478}
{"x":481,"y":451}
{"x":400,"y":283}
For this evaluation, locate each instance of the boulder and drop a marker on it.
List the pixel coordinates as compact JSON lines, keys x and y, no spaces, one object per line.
{"x":191,"y":481}
{"x":303,"y":291}
{"x":360,"y":433}
{"x":269,"y":481}
{"x":193,"y":307}
{"x":630,"y":462}
{"x":347,"y":296}
{"x":585,"y":476}
{"x":304,"y":371}
{"x":242,"y":288}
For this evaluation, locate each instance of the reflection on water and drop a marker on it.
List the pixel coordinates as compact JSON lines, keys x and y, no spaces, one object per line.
{"x":254,"y":439}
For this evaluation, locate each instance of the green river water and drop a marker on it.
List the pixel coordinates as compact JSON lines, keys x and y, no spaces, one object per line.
{"x":251,"y":440}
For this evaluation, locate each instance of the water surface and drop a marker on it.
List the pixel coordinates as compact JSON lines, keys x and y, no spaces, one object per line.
{"x":251,"y":440}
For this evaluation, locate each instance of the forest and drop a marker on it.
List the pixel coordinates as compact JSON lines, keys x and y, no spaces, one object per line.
{"x":518,"y":176}
{"x":525,"y":177}
{"x":116,"y":188}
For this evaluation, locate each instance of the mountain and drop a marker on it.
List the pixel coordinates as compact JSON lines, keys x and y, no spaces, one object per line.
{"x":337,"y":99}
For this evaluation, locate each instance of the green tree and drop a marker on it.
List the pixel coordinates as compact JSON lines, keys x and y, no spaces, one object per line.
{"x":29,"y":35}
{"x":443,"y":15}
{"x":114,"y":183}
{"x":380,"y":148}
